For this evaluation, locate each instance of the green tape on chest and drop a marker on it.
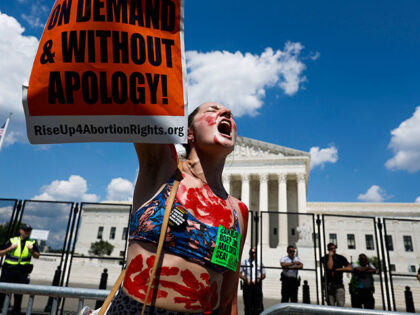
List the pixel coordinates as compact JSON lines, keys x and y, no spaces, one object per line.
{"x":226,"y":252}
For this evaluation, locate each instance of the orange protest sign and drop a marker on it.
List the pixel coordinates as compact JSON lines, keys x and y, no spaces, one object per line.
{"x":104,"y":62}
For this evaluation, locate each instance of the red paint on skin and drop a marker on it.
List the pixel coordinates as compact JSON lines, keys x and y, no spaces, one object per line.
{"x":205,"y":277}
{"x":210,"y":120}
{"x":234,"y":126}
{"x":188,"y":303}
{"x":138,"y":286}
{"x":190,"y":279}
{"x":195,"y":294}
{"x":216,"y":140}
{"x":206,"y":206}
{"x":244,"y":210}
{"x":168,"y":271}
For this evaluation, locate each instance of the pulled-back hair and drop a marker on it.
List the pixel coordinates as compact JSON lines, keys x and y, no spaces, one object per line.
{"x":190,"y":122}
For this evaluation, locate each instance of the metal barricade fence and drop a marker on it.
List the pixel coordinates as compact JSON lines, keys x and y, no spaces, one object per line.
{"x":272,"y":245}
{"x":86,"y":266}
{"x":56,"y":219}
{"x":54,"y":292}
{"x":332,"y":225}
{"x":65,"y":257}
{"x":113,"y":234}
{"x":297,"y":309}
{"x":8,"y":211}
{"x":371,"y":239}
{"x":402,"y":236}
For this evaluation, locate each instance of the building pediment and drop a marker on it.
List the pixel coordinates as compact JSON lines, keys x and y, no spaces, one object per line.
{"x":247,"y":148}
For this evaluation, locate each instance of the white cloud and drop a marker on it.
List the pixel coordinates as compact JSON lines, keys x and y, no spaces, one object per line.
{"x":48,"y":216}
{"x":6,"y":213}
{"x":37,"y":13}
{"x":418,"y":199}
{"x":73,"y":189}
{"x":405,"y":144}
{"x":239,"y":80}
{"x":320,"y":157}
{"x":16,"y":56}
{"x":373,"y":194}
{"x":120,"y":189}
{"x":315,"y":56}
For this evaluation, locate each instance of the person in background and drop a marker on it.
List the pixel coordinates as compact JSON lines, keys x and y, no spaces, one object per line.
{"x":361,"y":284}
{"x":418,"y":274}
{"x":335,"y":265}
{"x":17,"y":265}
{"x":289,"y":276}
{"x":252,"y":273}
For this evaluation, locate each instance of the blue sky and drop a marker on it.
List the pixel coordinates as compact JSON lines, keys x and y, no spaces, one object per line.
{"x":337,"y":79}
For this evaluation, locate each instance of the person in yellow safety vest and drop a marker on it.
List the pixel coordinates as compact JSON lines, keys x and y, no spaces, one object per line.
{"x":17,"y":264}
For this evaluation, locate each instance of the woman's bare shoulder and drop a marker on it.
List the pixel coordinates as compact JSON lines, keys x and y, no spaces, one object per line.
{"x":243,"y":212}
{"x":239,"y":204}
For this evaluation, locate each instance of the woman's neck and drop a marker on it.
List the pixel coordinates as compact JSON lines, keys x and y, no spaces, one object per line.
{"x":209,"y":170}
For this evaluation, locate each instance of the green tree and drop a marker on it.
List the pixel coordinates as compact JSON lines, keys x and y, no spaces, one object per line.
{"x":3,"y":233}
{"x":101,"y":248}
{"x":375,"y":261}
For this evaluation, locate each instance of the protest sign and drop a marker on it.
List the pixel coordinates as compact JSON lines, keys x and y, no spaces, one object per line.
{"x":40,"y":235}
{"x":109,"y":70}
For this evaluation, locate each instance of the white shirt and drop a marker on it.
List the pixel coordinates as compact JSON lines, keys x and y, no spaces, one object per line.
{"x":365,"y":281}
{"x":248,"y":269}
{"x":290,"y":273}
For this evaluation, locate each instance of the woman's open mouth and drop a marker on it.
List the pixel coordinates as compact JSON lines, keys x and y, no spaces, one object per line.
{"x":225,"y":128}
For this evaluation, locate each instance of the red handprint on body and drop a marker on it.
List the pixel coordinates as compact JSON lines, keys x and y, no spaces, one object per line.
{"x":196,"y":295}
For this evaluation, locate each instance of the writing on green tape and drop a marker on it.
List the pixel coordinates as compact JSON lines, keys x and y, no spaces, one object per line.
{"x":226,"y":252}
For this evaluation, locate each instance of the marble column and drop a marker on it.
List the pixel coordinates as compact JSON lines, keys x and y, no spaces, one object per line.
{"x":264,"y":207}
{"x":263,"y":192}
{"x":245,"y":190}
{"x":282,"y":193}
{"x":226,"y":182}
{"x":245,"y":198}
{"x":301,"y":193}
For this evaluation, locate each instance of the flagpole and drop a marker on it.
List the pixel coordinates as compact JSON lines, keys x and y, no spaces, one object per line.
{"x":4,"y":130}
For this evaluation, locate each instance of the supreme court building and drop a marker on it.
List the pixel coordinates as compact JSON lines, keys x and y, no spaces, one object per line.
{"x":273,"y":181}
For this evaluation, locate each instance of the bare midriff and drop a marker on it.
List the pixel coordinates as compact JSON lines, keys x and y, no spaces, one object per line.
{"x":183,"y":286}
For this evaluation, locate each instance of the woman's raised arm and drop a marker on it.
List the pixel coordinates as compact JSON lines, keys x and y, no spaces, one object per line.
{"x":157,"y":163}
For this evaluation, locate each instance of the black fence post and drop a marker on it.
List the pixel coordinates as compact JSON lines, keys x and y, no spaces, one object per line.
{"x":409,"y":303}
{"x":384,"y":264}
{"x":57,"y":276}
{"x":306,"y":297}
{"x":323,"y":288}
{"x":55,"y":283}
{"x":381,"y":262}
{"x":256,"y":220}
{"x":388,"y":268}
{"x":12,"y":228}
{"x":102,"y":286}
